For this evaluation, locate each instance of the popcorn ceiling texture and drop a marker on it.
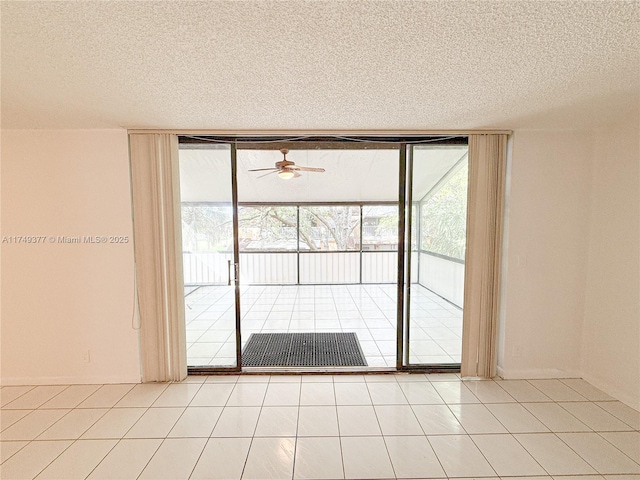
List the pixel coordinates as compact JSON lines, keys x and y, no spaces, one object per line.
{"x":319,"y":64}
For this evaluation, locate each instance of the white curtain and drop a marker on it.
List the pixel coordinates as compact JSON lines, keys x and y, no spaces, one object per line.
{"x":157,"y":246}
{"x":487,"y":162}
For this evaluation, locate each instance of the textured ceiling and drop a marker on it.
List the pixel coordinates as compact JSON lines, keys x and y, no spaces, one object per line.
{"x":319,"y":64}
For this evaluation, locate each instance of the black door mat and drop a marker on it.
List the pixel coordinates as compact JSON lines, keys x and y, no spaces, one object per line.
{"x":303,"y":350}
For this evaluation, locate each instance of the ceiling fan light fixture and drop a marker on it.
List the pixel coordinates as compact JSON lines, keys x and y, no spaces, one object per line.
{"x":286,"y":174}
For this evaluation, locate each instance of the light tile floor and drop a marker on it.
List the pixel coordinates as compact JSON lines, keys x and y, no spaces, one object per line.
{"x":324,"y":427}
{"x":368,"y":310}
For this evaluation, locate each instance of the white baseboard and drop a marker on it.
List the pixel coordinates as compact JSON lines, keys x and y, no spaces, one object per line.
{"x":82,"y":380}
{"x":625,"y":397}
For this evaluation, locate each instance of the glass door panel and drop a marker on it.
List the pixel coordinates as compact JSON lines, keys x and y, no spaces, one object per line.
{"x":436,"y":213}
{"x":209,"y":254}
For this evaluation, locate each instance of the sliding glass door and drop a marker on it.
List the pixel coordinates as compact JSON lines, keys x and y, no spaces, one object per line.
{"x":322,"y":252}
{"x":435,"y":198}
{"x":210,"y":254}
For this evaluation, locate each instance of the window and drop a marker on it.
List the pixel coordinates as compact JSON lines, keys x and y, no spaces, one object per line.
{"x":379,"y":227}
{"x":207,"y":228}
{"x":268,"y":228}
{"x":330,"y":228}
{"x":443,"y":218}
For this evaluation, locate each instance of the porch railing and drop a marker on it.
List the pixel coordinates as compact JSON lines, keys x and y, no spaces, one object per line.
{"x":439,"y":274}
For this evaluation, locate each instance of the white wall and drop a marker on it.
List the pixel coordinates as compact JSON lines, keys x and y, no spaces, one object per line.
{"x":443,"y":277}
{"x":611,"y":349}
{"x":60,"y":301}
{"x":546,"y":254}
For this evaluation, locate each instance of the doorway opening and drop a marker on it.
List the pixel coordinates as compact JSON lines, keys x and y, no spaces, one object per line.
{"x":323,"y":252}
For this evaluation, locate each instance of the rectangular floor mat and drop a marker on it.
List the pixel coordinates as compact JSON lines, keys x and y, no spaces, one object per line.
{"x":303,"y":350}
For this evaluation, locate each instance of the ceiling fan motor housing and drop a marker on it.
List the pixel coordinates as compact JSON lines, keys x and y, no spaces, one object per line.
{"x":283,"y":163}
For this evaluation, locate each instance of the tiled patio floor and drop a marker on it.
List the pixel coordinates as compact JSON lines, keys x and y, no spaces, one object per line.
{"x":368,"y":310}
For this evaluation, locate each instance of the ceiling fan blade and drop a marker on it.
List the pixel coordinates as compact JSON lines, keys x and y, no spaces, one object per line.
{"x":306,"y":169}
{"x":261,"y":169}
{"x":274,"y":171}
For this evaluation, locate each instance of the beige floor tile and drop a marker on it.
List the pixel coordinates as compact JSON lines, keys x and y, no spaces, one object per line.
{"x":78,"y":460}
{"x":460,"y":457}
{"x":8,"y":449}
{"x":366,"y":458}
{"x":71,"y":397}
{"x":32,"y":459}
{"x":357,"y":420}
{"x":106,"y":396}
{"x":33,"y":424}
{"x":553,"y":454}
{"x":237,"y":422}
{"x":600,"y":454}
{"x":623,"y":412}
{"x":522,"y":391}
{"x":285,"y":379}
{"x":443,"y":377}
{"x":556,"y":418}
{"x":127,"y":459}
{"x":476,"y":418}
{"x":177,"y":395}
{"x":318,"y":458}
{"x":174,"y":459}
{"x":488,"y":391}
{"x":352,"y":393}
{"x":277,"y":422}
{"x":254,"y":378}
{"x":282,"y":394}
{"x":507,"y":457}
{"x":317,"y":421}
{"x":421,"y":393}
{"x":142,"y":395}
{"x":437,"y":420}
{"x":35,"y":397}
{"x":586,"y":389}
{"x":9,"y":417}
{"x":516,"y":418}
{"x":221,"y":378}
{"x":9,"y":393}
{"x":317,"y":394}
{"x":397,"y":420}
{"x":247,"y":395}
{"x":270,"y":458}
{"x":115,"y":423}
{"x":386,"y":393}
{"x":222,"y":459}
{"x":413,"y":457}
{"x":196,"y":422}
{"x":155,"y":423}
{"x":73,"y":424}
{"x":212,"y":395}
{"x":349,"y":378}
{"x":595,"y":417}
{"x":626,"y":442}
{"x":455,"y":392}
{"x":557,"y":391}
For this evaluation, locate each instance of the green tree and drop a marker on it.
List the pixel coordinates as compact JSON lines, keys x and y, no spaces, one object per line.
{"x":444,"y":218}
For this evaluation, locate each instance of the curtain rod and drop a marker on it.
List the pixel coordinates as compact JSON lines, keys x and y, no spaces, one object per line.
{"x":373,"y":133}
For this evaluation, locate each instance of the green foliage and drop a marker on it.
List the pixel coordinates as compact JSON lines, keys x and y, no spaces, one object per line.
{"x":444,"y":218}
{"x":330,"y":228}
{"x":267,"y":228}
{"x":206,"y":228}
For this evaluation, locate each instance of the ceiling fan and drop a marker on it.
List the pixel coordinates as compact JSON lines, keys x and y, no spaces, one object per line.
{"x":286,"y":169}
